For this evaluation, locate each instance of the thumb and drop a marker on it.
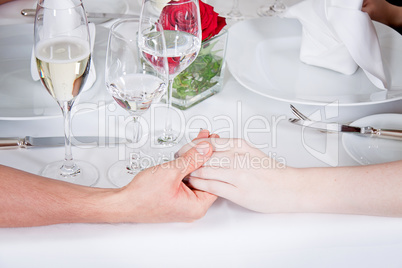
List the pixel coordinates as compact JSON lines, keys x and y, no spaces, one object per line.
{"x":194,"y":158}
{"x":203,"y":134}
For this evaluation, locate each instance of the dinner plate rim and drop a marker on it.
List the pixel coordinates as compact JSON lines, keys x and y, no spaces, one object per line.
{"x":365,"y":121}
{"x":298,"y":100}
{"x":102,"y":103}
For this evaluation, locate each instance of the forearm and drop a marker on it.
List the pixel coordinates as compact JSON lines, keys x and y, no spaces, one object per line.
{"x":4,"y":1}
{"x":30,"y":200}
{"x":369,"y":190}
{"x":384,"y":12}
{"x":396,"y":16}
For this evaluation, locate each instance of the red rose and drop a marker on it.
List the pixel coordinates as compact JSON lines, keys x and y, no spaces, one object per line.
{"x":211,"y":22}
{"x":181,"y":17}
{"x":157,"y":62}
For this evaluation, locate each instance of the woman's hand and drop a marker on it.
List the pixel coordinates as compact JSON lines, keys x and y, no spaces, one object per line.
{"x":246,"y":176}
{"x":243,"y":174}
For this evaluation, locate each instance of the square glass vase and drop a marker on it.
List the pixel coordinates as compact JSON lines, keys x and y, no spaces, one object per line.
{"x":204,"y":77}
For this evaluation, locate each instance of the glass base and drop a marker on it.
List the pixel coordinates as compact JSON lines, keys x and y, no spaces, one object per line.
{"x":167,"y":139}
{"x":167,"y":153}
{"x":120,"y":175}
{"x":82,"y":173}
{"x":274,"y":10}
{"x":234,"y":15}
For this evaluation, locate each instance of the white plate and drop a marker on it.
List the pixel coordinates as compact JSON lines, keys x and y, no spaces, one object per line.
{"x":263,"y":55}
{"x":366,"y":150}
{"x":20,"y":96}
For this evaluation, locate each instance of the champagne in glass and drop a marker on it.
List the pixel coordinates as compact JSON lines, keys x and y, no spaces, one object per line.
{"x":62,"y":51}
{"x":63,"y":65}
{"x":181,"y":24}
{"x":134,"y":85}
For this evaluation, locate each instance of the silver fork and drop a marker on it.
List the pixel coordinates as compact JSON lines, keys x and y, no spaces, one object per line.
{"x":298,"y":114}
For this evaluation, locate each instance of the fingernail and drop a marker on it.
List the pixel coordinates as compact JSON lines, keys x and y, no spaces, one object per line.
{"x":202,"y":148}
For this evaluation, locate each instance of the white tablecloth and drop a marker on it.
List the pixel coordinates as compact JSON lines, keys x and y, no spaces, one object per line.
{"x":228,"y":236}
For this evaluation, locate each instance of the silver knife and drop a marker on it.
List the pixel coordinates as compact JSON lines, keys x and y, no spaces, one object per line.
{"x":32,"y":12}
{"x":28,"y":141}
{"x":365,"y":131}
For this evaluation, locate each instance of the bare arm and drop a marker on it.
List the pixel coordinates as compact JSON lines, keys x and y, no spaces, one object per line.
{"x":5,"y":1}
{"x":384,"y":12}
{"x":28,"y":199}
{"x":250,"y":178}
{"x":369,"y":190}
{"x":155,"y":195}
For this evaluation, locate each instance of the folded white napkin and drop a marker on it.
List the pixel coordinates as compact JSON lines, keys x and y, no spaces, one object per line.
{"x":92,"y":72}
{"x":337,"y":35}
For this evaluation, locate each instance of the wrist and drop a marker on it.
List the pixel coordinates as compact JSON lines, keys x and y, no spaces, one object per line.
{"x":104,"y":206}
{"x":298,"y":191}
{"x":306,"y":190}
{"x":112,"y":206}
{"x":284,"y":191}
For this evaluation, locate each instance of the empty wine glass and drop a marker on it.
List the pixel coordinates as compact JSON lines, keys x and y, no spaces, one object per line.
{"x":274,"y":9}
{"x":63,"y":56}
{"x":134,"y":85}
{"x":181,"y":23}
{"x":235,"y":13}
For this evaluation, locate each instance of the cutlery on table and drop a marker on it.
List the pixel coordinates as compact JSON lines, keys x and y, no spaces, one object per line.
{"x":369,"y":131}
{"x":98,"y":15}
{"x":29,"y":141}
{"x":335,"y":127}
{"x":298,"y":114}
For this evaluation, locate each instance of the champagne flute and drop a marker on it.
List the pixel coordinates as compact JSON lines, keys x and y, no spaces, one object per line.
{"x":181,"y":23}
{"x":274,"y":9}
{"x":134,"y":85}
{"x":63,"y":56}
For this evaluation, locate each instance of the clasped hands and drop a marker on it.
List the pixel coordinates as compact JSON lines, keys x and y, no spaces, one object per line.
{"x":181,"y":190}
{"x":184,"y":189}
{"x":238,"y":172}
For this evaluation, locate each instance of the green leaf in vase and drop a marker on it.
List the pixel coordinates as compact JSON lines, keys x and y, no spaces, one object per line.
{"x":198,"y":77}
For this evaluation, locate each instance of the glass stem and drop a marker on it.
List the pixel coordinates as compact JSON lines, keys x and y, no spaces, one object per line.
{"x":235,"y":7}
{"x":135,"y":155}
{"x":168,"y":123}
{"x":69,"y":168}
{"x":235,"y":12}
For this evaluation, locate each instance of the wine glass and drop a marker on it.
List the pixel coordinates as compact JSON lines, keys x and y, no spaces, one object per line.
{"x":63,"y":56}
{"x":181,"y":23}
{"x":274,"y":9}
{"x":134,"y":85}
{"x":235,"y":13}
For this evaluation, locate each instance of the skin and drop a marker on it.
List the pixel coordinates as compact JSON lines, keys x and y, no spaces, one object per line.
{"x":5,"y":1}
{"x":157,"y":194}
{"x":384,"y":12}
{"x":270,"y":187}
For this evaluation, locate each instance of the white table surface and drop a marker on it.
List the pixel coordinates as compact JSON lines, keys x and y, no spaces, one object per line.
{"x":228,"y":236}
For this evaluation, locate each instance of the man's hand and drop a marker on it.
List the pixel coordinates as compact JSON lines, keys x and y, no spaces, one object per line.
{"x":155,"y":195}
{"x":158,"y":194}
